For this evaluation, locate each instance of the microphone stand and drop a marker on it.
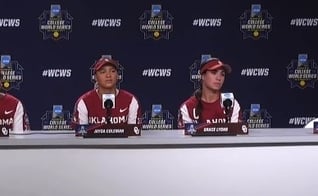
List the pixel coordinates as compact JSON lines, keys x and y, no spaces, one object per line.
{"x":108,"y":104}
{"x":227,"y":109}
{"x":108,"y":115}
{"x":227,"y":113}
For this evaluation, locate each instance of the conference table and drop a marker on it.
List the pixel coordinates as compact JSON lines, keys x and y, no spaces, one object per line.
{"x":275,"y":161}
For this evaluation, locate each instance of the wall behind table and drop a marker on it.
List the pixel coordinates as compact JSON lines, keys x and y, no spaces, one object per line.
{"x":185,"y":45}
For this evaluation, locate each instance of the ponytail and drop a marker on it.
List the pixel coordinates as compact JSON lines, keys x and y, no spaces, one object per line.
{"x":199,"y":107}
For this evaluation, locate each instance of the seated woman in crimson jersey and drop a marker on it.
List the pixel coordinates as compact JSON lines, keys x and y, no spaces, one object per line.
{"x":205,"y":105}
{"x":13,"y":117}
{"x":88,"y":108}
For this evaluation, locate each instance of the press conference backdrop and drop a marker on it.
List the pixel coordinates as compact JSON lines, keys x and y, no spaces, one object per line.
{"x":47,"y":50}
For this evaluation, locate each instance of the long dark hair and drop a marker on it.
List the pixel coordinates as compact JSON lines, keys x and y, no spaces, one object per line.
{"x":199,"y":107}
{"x":198,"y":92}
{"x":0,"y":81}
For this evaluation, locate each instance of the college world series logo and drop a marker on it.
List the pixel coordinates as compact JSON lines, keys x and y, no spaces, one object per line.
{"x":57,"y":119}
{"x":257,"y":117}
{"x":12,"y":73}
{"x":157,"y":118}
{"x":195,"y":75}
{"x":55,"y":23}
{"x":302,"y":72}
{"x":256,"y":23}
{"x":156,"y":23}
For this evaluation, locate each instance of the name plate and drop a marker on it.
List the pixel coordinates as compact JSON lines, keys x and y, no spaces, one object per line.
{"x":112,"y":130}
{"x":216,"y":129}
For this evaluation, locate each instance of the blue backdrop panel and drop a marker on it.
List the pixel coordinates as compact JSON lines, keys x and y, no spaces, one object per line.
{"x":260,"y":64}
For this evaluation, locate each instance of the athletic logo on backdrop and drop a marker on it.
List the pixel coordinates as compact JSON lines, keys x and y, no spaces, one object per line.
{"x":256,"y":23}
{"x":120,"y":72}
{"x":12,"y":73}
{"x":302,"y":72}
{"x":156,"y":23}
{"x":57,"y":119}
{"x":195,"y":75}
{"x":257,"y":117}
{"x":55,"y":23}
{"x":157,"y":118}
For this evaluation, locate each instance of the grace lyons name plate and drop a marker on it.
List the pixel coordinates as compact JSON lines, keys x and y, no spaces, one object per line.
{"x":216,"y":129}
{"x":109,"y":130}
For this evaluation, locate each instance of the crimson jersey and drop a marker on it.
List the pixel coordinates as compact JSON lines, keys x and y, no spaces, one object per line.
{"x":211,"y":112}
{"x":88,"y":109}
{"x":12,"y":115}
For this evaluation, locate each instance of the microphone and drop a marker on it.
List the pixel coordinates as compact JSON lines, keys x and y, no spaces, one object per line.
{"x":108,"y":103}
{"x":227,"y":102}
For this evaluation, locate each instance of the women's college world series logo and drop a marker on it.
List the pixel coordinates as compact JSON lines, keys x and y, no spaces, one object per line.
{"x":256,"y":23}
{"x":302,"y":72}
{"x":257,"y":118}
{"x":55,"y":23}
{"x":12,"y":73}
{"x":57,"y":119}
{"x":157,"y":118}
{"x":195,"y":76}
{"x":156,"y":23}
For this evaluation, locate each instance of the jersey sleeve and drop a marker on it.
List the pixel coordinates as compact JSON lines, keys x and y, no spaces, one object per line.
{"x":18,"y":119}
{"x":237,"y":114}
{"x":183,"y":116}
{"x":134,"y":112}
{"x":80,"y":114}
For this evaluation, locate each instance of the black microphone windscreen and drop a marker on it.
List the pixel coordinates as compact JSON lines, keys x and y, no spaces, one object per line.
{"x":227,"y":103}
{"x":108,"y":103}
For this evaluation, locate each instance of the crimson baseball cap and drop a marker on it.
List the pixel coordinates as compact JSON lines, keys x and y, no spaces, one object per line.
{"x":213,"y":64}
{"x":103,"y":62}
